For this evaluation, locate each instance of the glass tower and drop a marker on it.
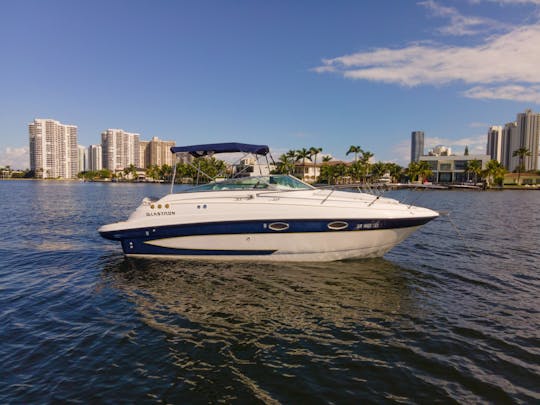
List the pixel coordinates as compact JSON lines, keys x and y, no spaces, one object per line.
{"x":417,"y":145}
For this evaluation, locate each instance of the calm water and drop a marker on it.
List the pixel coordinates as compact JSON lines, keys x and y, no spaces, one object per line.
{"x":450,"y":315}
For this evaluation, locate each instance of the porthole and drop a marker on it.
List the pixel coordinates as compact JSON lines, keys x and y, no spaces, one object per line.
{"x":159,"y":206}
{"x":338,"y":225}
{"x":278,"y":226}
{"x":152,"y":206}
{"x":167,"y":205}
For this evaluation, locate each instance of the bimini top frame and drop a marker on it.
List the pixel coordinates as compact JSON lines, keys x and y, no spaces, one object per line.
{"x":210,"y":149}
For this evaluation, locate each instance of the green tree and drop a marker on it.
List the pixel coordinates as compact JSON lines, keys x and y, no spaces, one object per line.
{"x":494,"y":173}
{"x":303,"y":154}
{"x":331,"y":173}
{"x":130,"y":172}
{"x":378,"y":170}
{"x":284,"y":165}
{"x":166,"y":172}
{"x":395,"y":171}
{"x":209,"y":168}
{"x":521,"y":153}
{"x":152,"y":172}
{"x":314,"y":153}
{"x":419,"y":171}
{"x":365,"y":165}
{"x":356,"y":150}
{"x":474,"y":167}
{"x":104,"y":174}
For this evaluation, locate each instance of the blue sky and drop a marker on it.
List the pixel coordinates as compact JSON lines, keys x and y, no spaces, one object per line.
{"x":290,"y":74}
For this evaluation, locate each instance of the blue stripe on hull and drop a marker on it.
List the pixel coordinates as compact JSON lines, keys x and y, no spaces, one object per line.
{"x":135,"y":246}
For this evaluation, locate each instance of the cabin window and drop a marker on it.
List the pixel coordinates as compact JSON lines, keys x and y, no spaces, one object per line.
{"x":278,"y":226}
{"x":338,"y":225}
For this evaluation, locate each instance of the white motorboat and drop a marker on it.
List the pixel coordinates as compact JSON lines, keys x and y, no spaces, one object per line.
{"x":269,"y":218}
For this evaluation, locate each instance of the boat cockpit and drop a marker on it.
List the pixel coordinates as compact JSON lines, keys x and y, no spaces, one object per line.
{"x":271,"y":182}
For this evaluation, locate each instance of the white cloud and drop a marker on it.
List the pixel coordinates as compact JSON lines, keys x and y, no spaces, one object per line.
{"x":459,"y":24}
{"x":17,"y":158}
{"x":510,"y":92}
{"x":508,"y":1}
{"x":501,"y":61}
{"x":401,"y":153}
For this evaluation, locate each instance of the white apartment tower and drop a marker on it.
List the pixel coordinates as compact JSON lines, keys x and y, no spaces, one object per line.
{"x":529,"y":137}
{"x":510,"y":142}
{"x":94,"y":161}
{"x":523,"y":133}
{"x":120,"y":149}
{"x":53,"y":149}
{"x":494,"y":143}
{"x":82,"y":158}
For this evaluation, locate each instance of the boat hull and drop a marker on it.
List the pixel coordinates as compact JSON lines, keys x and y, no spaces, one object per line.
{"x":302,"y":240}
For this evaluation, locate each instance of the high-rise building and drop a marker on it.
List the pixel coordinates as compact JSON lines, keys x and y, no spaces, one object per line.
{"x":510,"y":142}
{"x":53,"y":149}
{"x":94,"y":161}
{"x":143,"y":161}
{"x":157,"y":152}
{"x":494,"y":143}
{"x":417,"y":145}
{"x":528,"y":124}
{"x":523,"y":133}
{"x":82,"y":157}
{"x":120,"y":149}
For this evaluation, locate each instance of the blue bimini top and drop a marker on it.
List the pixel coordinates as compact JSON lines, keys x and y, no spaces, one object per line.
{"x":212,"y":148}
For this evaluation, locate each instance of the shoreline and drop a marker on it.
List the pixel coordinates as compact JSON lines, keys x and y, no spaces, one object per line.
{"x":387,"y":186}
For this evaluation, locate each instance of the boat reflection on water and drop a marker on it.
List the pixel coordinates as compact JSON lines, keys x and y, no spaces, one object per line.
{"x":262,"y":298}
{"x":268,"y":332}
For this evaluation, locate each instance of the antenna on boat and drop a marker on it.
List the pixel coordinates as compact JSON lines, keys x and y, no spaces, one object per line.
{"x":174,"y":172}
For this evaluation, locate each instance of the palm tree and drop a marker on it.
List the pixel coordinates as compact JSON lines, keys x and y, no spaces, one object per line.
{"x":291,"y":154}
{"x":130,"y":170}
{"x":356,"y":150}
{"x":395,"y":171}
{"x":424,"y":170}
{"x":284,"y":165}
{"x":420,"y":169}
{"x":366,"y":156}
{"x":412,"y":171}
{"x":475,"y":168}
{"x":152,"y":171}
{"x":521,"y":153}
{"x":379,"y":169}
{"x":166,"y":172}
{"x":303,"y":154}
{"x":314,"y":153}
{"x":494,"y":172}
{"x":326,"y":158}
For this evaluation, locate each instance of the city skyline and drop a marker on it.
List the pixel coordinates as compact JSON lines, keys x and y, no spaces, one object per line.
{"x":287,"y":75}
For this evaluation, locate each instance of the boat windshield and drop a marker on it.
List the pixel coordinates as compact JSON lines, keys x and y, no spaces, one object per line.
{"x":272,"y":182}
